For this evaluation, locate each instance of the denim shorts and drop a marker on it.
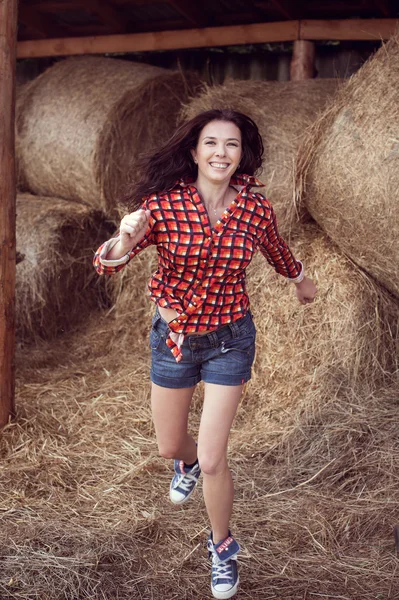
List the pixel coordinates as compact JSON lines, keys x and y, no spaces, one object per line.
{"x":224,"y":356}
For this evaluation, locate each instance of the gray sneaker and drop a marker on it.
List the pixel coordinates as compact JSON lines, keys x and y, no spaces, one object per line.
{"x":183,"y":482}
{"x":225,"y":578}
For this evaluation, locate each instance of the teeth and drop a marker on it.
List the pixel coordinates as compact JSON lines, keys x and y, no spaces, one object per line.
{"x":219,"y":165}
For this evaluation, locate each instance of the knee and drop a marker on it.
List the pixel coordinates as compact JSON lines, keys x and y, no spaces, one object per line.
{"x":212,"y":464}
{"x":168,"y":449}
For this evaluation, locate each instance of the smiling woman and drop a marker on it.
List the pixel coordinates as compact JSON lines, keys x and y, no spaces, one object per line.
{"x":218,"y":154}
{"x":194,"y":202}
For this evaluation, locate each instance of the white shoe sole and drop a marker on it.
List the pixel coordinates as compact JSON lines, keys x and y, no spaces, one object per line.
{"x":185,"y":498}
{"x":228,"y":594}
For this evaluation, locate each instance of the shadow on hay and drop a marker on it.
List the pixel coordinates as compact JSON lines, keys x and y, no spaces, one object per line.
{"x":56,"y":286}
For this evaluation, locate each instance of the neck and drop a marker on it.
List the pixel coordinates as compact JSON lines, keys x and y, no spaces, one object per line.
{"x":213,"y":194}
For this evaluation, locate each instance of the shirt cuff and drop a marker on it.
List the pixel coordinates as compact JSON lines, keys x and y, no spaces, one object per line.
{"x":301,"y":275}
{"x":112,"y":262}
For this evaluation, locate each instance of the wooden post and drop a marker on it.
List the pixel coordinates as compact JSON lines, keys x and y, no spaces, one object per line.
{"x":8,"y":45}
{"x":303,"y":60}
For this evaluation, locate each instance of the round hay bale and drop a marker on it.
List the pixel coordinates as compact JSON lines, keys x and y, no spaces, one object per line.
{"x":282,"y":111}
{"x":348,"y":167}
{"x":82,"y":124}
{"x":56,"y":286}
{"x":346,"y":339}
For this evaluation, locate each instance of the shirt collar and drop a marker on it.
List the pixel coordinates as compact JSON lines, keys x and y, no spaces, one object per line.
{"x":239,"y":179}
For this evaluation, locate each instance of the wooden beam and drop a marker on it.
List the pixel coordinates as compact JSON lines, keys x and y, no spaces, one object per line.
{"x":303,"y":60}
{"x":8,"y":43}
{"x":42,"y":25}
{"x":106,"y":13}
{"x":190,"y":11}
{"x":351,"y":29}
{"x":258,"y":33}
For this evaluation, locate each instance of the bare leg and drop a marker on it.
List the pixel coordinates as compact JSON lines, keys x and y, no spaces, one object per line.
{"x":170,"y":408}
{"x":220,"y":407}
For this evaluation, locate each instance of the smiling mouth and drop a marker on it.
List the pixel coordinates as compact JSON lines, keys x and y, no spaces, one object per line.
{"x":221,"y":166}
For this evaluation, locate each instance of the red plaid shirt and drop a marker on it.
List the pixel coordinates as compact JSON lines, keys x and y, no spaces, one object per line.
{"x":201,"y":269}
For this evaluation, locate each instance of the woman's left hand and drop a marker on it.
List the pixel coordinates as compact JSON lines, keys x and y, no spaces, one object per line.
{"x":306,"y":291}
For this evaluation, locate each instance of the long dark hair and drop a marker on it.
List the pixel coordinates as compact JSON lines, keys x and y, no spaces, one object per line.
{"x":160,"y":171}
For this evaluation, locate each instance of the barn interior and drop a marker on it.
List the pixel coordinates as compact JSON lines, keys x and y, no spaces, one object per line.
{"x":89,"y":87}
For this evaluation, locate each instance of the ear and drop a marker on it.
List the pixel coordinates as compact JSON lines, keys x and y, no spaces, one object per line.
{"x":194,"y":154}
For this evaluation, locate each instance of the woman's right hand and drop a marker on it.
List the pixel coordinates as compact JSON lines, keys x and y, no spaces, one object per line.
{"x":133,"y":227}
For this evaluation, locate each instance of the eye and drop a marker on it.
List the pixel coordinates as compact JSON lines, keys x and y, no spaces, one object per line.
{"x":233,"y":144}
{"x":209,"y":142}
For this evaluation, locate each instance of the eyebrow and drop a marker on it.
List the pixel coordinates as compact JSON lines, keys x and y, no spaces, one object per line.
{"x":210,"y":137}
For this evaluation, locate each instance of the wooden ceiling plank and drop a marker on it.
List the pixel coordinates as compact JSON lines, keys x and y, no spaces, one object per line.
{"x":38,"y":22}
{"x":106,"y":13}
{"x":288,"y":9}
{"x":99,"y":29}
{"x":383,"y":6}
{"x":257,"y":33}
{"x":329,"y":9}
{"x":190,"y":11}
{"x":75,"y":5}
{"x":126,"y":3}
{"x":83,"y":30}
{"x":52,"y":7}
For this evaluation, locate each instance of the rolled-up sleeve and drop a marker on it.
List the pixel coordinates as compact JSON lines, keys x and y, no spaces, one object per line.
{"x":276,"y":250}
{"x":105,"y":266}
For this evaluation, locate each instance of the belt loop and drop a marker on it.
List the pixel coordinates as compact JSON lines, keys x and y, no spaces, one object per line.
{"x":213,"y":339}
{"x":235,"y":330}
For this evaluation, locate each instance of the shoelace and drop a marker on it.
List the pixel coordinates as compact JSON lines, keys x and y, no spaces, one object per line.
{"x":186,"y":485}
{"x":223,"y":569}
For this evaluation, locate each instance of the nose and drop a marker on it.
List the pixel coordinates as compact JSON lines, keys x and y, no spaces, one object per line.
{"x":220,"y":150}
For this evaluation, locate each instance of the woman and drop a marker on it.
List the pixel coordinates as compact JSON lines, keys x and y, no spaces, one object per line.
{"x":194,"y":202}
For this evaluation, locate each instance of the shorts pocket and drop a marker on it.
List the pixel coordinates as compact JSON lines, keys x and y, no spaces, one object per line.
{"x":240,"y":350}
{"x":155,"y":339}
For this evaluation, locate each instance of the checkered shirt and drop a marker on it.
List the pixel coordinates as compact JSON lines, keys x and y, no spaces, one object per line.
{"x":201,"y":269}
